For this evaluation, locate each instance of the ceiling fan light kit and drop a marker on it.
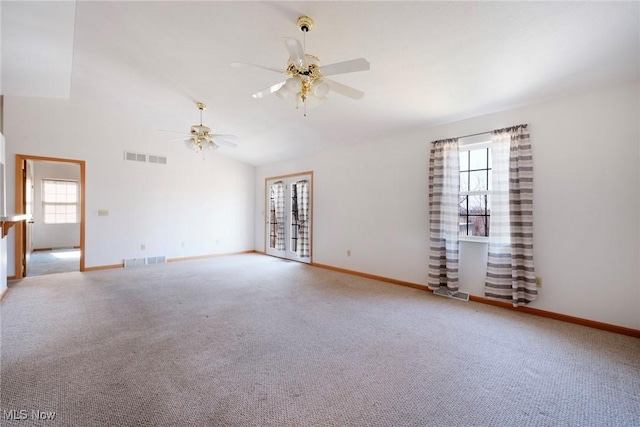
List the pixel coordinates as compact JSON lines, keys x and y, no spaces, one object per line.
{"x":201,"y":137}
{"x":307,"y":85}
{"x":306,"y":80}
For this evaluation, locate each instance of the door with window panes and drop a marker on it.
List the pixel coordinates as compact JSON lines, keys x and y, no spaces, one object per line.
{"x":288,"y":217}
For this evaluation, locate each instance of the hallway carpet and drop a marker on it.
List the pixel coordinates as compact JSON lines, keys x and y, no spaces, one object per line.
{"x":53,"y":262}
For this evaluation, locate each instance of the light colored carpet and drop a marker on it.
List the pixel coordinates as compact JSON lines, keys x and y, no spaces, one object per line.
{"x":251,"y":340}
{"x":53,"y":262}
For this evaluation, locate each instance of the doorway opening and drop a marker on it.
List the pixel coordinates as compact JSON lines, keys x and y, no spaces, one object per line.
{"x":52,"y":192}
{"x":288,"y":213}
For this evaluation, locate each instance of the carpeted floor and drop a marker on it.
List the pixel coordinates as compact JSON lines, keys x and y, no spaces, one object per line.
{"x":251,"y":340}
{"x":53,"y":262}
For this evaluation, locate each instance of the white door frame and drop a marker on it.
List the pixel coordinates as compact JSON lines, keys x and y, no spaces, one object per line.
{"x":287,"y":180}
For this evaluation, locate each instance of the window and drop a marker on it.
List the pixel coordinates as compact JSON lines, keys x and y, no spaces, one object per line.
{"x":60,"y":201}
{"x":475,"y":187}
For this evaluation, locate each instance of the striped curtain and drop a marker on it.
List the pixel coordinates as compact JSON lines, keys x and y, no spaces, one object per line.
{"x":276,"y":216}
{"x":302,"y":191}
{"x":444,"y":227}
{"x":295,"y":224}
{"x":510,"y":272}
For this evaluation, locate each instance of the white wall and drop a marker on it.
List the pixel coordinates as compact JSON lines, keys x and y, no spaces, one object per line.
{"x":53,"y":235}
{"x":189,"y":207}
{"x":372,"y":199}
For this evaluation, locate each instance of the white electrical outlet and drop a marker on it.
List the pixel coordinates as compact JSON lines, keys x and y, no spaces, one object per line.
{"x":143,"y":246}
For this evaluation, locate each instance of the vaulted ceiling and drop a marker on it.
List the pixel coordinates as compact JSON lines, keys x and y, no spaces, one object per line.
{"x":431,"y":62}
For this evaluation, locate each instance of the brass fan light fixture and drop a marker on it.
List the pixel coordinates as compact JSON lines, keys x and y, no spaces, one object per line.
{"x":306,"y":78}
{"x":200,"y":136}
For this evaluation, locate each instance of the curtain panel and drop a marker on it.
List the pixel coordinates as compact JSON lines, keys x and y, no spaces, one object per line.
{"x":302,"y":203}
{"x":276,"y":208}
{"x":295,"y":222}
{"x":510,"y":270}
{"x":444,"y":227}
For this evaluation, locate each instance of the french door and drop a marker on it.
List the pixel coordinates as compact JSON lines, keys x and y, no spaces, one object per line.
{"x":288,"y":216}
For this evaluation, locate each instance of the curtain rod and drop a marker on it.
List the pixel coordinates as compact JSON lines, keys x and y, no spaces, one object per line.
{"x":485,"y":133}
{"x":473,"y":134}
{"x":491,"y":131}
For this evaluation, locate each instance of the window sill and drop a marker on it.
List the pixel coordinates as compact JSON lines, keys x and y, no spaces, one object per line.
{"x":475,"y":239}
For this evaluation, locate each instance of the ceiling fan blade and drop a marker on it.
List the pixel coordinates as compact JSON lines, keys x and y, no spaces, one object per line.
{"x":345,"y":90}
{"x":247,"y":65}
{"x":296,"y":52}
{"x":350,"y":66}
{"x":186,"y":136}
{"x":268,"y":91}
{"x":225,"y":140}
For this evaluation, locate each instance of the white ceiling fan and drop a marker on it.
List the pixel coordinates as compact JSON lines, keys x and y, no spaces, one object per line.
{"x":305,"y":77}
{"x":200,"y":137}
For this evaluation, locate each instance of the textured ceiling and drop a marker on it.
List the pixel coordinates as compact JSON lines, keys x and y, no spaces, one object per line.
{"x":431,"y":62}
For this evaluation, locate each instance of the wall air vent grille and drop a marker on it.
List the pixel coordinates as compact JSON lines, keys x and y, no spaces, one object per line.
{"x":137,"y":262}
{"x":455,"y":295}
{"x":134,"y":262}
{"x":145,"y":158}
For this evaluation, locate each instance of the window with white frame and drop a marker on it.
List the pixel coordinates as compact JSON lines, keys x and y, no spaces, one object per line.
{"x":475,"y":187}
{"x":60,"y":201}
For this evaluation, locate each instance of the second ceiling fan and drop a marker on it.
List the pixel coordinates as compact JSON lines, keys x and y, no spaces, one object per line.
{"x":200,"y":138}
{"x":305,"y":77}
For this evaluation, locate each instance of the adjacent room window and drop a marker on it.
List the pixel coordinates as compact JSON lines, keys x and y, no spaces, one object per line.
{"x":60,"y":201}
{"x":475,"y":187}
